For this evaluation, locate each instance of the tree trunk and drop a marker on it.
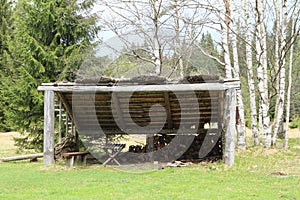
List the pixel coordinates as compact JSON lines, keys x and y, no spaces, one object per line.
{"x":288,"y":97}
{"x":224,"y":15}
{"x":261,"y":50}
{"x":281,"y":95}
{"x":240,"y":123}
{"x":178,"y":42}
{"x":275,"y":73}
{"x":156,"y":43}
{"x":251,"y":84}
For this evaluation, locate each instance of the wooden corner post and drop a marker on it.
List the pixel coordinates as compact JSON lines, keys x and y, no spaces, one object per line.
{"x":229,"y":126}
{"x":48,"y":127}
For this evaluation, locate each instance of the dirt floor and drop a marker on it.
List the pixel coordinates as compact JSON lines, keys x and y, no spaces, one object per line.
{"x":7,"y":147}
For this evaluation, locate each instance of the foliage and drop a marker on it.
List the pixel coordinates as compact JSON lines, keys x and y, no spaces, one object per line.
{"x":5,"y":32}
{"x":295,"y":123}
{"x":49,"y":41}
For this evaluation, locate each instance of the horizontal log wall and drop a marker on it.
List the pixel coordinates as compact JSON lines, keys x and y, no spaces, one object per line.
{"x":109,"y":110}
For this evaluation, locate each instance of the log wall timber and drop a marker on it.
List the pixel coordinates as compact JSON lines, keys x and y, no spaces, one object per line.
{"x":24,"y":157}
{"x":119,"y":109}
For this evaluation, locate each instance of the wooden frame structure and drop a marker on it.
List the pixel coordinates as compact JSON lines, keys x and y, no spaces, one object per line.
{"x":112,"y":96}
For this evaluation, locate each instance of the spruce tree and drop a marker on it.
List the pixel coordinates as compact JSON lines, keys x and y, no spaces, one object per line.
{"x":50,"y":41}
{"x":5,"y":32}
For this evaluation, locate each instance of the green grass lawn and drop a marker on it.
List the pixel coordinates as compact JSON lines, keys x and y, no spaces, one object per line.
{"x":257,"y":174}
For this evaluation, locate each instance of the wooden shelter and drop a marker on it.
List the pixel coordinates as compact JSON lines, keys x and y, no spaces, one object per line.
{"x":144,"y":107}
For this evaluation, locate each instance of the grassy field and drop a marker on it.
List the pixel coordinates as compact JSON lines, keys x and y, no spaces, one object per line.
{"x":258,"y":173}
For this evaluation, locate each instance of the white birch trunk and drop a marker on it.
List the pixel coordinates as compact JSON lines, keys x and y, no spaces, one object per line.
{"x":178,"y":42}
{"x":156,"y":43}
{"x":240,"y":123}
{"x":251,"y":84}
{"x":275,"y":73}
{"x":225,"y":37}
{"x":280,"y":103}
{"x":288,"y":97}
{"x":261,"y":49}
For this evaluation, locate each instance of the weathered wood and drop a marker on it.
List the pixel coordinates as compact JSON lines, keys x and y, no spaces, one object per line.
{"x":168,"y":110}
{"x":23,"y":157}
{"x":221,"y":110}
{"x":116,"y":105}
{"x":97,"y":105}
{"x":60,"y":121}
{"x":115,"y":150}
{"x":66,"y":105}
{"x":49,"y":127}
{"x":229,"y":126}
{"x":144,"y":88}
{"x":70,"y":157}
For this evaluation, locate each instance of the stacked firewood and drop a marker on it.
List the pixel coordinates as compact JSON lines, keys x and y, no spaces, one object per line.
{"x":191,"y":146}
{"x":68,"y":144}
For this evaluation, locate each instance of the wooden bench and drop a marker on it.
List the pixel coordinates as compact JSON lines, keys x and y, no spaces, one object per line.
{"x":70,"y":156}
{"x":112,"y":151}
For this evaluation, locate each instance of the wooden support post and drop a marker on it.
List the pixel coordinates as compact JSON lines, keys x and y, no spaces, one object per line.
{"x":59,"y":121}
{"x":168,"y":109}
{"x":229,"y":126}
{"x":48,"y":127}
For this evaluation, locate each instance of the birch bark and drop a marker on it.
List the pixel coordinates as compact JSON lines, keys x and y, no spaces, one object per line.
{"x":225,"y":21}
{"x":275,"y":73}
{"x":282,"y":60}
{"x":261,"y":56}
{"x":156,"y":43}
{"x":250,"y":76}
{"x":240,"y":123}
{"x":288,"y":97}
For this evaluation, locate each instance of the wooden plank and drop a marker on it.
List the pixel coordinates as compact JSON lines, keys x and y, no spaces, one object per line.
{"x":229,"y":126}
{"x":66,"y":105}
{"x":48,"y":127}
{"x":221,"y":110}
{"x":139,"y":88}
{"x":60,"y":121}
{"x":116,"y":105}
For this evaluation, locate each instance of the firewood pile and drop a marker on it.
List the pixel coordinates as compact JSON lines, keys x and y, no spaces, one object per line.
{"x":68,"y":144}
{"x":191,"y":153}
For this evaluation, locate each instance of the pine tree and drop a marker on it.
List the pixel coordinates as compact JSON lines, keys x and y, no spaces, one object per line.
{"x":5,"y":31}
{"x":50,"y":41}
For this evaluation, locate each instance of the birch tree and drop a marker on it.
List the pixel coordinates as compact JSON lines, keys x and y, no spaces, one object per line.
{"x":225,"y":21}
{"x":281,"y":72}
{"x":240,"y":126}
{"x":261,"y":57}
{"x":288,"y":96}
{"x":294,"y":34}
{"x":250,"y":75}
{"x":141,"y":19}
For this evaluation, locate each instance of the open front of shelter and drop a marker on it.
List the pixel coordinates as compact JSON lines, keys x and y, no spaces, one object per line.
{"x":188,"y":121}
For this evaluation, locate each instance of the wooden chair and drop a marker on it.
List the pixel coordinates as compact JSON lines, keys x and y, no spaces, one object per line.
{"x":112,"y":151}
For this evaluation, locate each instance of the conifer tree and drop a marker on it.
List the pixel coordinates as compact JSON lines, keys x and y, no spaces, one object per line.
{"x":5,"y":31}
{"x":50,"y":41}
